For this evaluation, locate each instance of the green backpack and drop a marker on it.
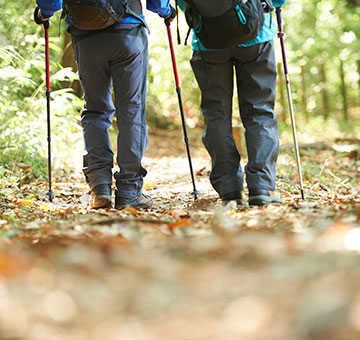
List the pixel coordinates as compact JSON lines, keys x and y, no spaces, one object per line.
{"x":226,"y":23}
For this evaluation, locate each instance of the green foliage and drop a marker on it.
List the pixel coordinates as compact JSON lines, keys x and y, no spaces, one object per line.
{"x":23,"y":130}
{"x":318,"y":33}
{"x":323,"y":33}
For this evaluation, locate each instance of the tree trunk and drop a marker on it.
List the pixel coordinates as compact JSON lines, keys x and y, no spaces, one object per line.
{"x":324,"y":91}
{"x":344,"y":92}
{"x":68,"y":60}
{"x":304,"y":92}
{"x":281,"y":90}
{"x":354,"y":3}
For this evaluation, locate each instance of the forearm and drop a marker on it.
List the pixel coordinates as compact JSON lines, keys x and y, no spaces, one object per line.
{"x":161,"y":7}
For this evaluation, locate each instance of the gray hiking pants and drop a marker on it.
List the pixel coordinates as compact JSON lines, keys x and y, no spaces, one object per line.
{"x":117,"y":59}
{"x":255,"y":70}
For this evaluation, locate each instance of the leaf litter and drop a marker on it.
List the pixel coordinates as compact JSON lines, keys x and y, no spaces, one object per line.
{"x":185,"y":269}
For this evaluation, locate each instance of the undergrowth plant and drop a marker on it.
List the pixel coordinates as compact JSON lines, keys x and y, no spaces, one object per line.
{"x":23,"y":134}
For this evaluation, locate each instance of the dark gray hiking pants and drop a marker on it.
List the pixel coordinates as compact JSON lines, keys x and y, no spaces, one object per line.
{"x":255,"y":70}
{"x":117,"y":59}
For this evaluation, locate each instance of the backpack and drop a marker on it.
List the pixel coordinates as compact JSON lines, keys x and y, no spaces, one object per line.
{"x":226,"y":23}
{"x":96,"y":14}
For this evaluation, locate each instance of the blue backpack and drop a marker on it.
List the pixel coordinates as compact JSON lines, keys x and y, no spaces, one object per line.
{"x":96,"y":14}
{"x":226,"y":23}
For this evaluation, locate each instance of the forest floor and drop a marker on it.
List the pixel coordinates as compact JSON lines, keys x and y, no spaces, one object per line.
{"x":185,"y":269}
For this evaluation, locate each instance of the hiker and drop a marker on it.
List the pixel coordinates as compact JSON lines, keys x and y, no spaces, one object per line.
{"x":112,"y":53}
{"x":255,"y":70}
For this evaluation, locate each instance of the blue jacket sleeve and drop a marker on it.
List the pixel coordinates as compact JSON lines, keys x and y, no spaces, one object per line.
{"x":278,"y":3}
{"x":49,"y":7}
{"x":161,"y":7}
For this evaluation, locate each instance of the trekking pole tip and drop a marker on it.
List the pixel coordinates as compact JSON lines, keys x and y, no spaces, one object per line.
{"x":302,"y":194}
{"x":51,"y":195}
{"x":195,"y":193}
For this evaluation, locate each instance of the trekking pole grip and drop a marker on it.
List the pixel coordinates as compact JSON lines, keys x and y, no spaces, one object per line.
{"x":281,"y":35}
{"x":173,"y":59}
{"x":171,"y":16}
{"x":39,"y":19}
{"x":279,"y":19}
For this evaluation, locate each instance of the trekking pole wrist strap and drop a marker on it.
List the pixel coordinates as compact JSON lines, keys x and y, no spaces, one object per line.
{"x":39,"y":19}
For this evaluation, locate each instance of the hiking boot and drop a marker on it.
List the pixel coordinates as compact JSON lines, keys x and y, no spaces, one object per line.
{"x":236,"y":197}
{"x":100,"y":196}
{"x":262,"y":198}
{"x":141,"y":202}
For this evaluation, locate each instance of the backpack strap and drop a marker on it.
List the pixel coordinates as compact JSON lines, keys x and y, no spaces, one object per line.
{"x":268,"y":8}
{"x":192,"y":4}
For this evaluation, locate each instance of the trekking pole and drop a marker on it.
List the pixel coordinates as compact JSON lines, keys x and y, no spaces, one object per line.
{"x":50,"y":193}
{"x":178,"y":91}
{"x":46,"y":25}
{"x":288,"y":89}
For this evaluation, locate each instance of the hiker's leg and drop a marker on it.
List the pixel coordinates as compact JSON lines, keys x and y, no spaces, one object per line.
{"x":214,"y":74}
{"x":256,"y":75}
{"x":94,"y":72}
{"x":129,"y":72}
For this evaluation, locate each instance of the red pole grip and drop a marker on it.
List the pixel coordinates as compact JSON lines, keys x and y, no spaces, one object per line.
{"x":177,"y":82}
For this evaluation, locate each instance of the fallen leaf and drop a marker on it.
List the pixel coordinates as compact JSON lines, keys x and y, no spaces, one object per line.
{"x":202,"y":203}
{"x":131,"y":210}
{"x":178,"y":213}
{"x":201,"y":172}
{"x":149,"y":185}
{"x":24,"y":166}
{"x":358,"y":213}
{"x":180,"y":223}
{"x":10,"y":266}
{"x":46,"y":207}
{"x":24,"y":203}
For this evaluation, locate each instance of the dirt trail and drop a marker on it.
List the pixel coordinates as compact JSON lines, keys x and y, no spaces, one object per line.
{"x":184,"y":269}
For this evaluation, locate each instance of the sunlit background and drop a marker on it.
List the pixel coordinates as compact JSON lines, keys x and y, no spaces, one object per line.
{"x":221,"y":281}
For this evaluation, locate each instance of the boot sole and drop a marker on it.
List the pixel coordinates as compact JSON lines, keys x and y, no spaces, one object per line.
{"x":136,"y":206}
{"x":263,"y":200}
{"x":102,"y":204}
